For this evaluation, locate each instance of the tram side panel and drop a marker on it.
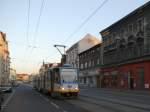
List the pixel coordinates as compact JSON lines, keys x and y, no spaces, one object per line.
{"x":55,"y":82}
{"x":47,"y":82}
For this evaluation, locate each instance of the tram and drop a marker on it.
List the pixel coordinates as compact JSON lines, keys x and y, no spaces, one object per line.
{"x":59,"y":81}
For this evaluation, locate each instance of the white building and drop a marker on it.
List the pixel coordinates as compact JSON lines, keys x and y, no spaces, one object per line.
{"x":4,"y":60}
{"x":85,"y":43}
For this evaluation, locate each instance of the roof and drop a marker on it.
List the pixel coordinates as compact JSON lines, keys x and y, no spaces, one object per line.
{"x":88,"y":38}
{"x":130,"y":14}
{"x":91,"y":48}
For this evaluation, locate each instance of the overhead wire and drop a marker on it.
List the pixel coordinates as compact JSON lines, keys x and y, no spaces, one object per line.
{"x":85,"y":21}
{"x":38,"y":21}
{"x":78,"y":28}
{"x":28,"y":23}
{"x":33,"y":46}
{"x":37,"y":25}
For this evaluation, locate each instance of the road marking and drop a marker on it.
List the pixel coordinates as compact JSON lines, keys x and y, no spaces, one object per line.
{"x":55,"y":105}
{"x":8,"y":99}
{"x":4,"y":106}
{"x":83,"y":89}
{"x":43,"y":97}
{"x":46,"y":99}
{"x":64,"y":111}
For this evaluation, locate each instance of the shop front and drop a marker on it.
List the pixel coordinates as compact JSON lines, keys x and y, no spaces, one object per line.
{"x":127,"y":76}
{"x":89,"y":77}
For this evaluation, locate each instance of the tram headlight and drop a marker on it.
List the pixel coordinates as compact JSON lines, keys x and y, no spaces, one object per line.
{"x":76,"y":88}
{"x":62,"y":88}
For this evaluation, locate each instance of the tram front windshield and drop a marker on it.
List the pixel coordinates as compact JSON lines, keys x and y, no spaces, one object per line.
{"x":69,"y":76}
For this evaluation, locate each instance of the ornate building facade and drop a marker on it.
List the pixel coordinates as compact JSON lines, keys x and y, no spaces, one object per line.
{"x":4,"y":60}
{"x":126,"y":51}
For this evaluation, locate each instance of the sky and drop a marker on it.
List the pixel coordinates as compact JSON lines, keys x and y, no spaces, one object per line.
{"x":31,"y":39}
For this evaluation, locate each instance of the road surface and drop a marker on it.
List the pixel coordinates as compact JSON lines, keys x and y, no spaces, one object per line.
{"x":25,"y":99}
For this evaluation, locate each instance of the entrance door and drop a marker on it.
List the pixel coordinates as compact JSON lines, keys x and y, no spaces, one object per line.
{"x":141,"y":77}
{"x":131,"y":83}
{"x":130,"y":80}
{"x":98,"y":81}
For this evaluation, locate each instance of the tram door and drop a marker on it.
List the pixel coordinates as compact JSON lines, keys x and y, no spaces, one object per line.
{"x":52,"y":81}
{"x":44,"y":80}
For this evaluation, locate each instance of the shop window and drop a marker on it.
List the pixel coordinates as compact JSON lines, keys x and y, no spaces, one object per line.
{"x":141,"y":77}
{"x":90,"y":80}
{"x":84,"y":80}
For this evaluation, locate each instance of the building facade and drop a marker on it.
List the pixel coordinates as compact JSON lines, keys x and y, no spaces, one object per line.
{"x":4,"y":60}
{"x":126,"y":51}
{"x":89,"y":63}
{"x":12,"y":76}
{"x":72,"y":56}
{"x":22,"y":77}
{"x":85,"y":43}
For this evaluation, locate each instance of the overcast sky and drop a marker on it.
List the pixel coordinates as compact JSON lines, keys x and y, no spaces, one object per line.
{"x":59,"y":18}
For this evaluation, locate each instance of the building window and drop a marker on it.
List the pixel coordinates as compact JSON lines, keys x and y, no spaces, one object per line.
{"x":140,"y":24}
{"x":122,"y":33}
{"x":85,"y":64}
{"x":130,"y":28}
{"x":90,"y":63}
{"x":111,"y":40}
{"x":84,"y":80}
{"x":98,"y":61}
{"x":97,"y":49}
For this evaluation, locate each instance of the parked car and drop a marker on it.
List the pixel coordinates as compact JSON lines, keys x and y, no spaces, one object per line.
{"x":6,"y":88}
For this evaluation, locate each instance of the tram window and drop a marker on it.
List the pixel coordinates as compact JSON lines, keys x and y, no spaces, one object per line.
{"x":57,"y":78}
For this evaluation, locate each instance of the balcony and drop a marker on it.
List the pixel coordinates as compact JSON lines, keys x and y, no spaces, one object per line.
{"x":131,"y":40}
{"x":140,"y":37}
{"x":110,"y":47}
{"x":122,"y":43}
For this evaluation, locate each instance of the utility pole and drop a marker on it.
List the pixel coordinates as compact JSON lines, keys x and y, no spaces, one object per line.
{"x":63,"y":58}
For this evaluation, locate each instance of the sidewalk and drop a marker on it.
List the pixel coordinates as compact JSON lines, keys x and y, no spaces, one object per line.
{"x":145,"y":92}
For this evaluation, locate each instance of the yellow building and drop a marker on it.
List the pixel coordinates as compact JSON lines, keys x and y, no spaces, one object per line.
{"x":22,"y":77}
{"x":4,"y":60}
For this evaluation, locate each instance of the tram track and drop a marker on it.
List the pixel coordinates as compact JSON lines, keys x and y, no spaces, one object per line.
{"x":62,"y":103}
{"x":141,"y":107}
{"x":125,"y":97}
{"x":89,"y":104}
